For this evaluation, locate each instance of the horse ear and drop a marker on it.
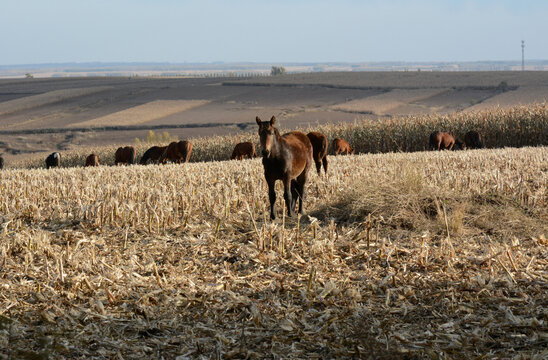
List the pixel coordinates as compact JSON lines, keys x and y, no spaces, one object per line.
{"x":258,"y":120}
{"x":272,"y":120}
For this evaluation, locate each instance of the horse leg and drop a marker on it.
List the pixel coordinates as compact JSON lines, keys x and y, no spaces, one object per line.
{"x":301,"y":181}
{"x":294,"y":194}
{"x":287,"y":195}
{"x":318,"y":166}
{"x":324,"y":161}
{"x":272,"y":198}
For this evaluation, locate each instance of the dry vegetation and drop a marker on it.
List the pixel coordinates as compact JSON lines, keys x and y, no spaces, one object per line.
{"x":515,"y":127}
{"x":423,"y":255}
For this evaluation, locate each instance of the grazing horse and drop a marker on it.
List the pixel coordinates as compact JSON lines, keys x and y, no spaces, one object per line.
{"x":53,"y":160}
{"x":444,"y":140}
{"x":243,"y":149}
{"x":153,"y":154}
{"x":177,"y":152}
{"x":473,"y":140}
{"x":125,"y":155}
{"x":1,"y":162}
{"x":319,"y":149}
{"x":342,"y":146}
{"x":287,"y":158}
{"x":92,"y":160}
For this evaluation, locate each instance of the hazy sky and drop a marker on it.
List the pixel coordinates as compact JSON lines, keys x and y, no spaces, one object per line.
{"x":38,"y":31}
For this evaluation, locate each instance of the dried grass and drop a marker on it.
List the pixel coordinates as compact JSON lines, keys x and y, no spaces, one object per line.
{"x":181,"y":262}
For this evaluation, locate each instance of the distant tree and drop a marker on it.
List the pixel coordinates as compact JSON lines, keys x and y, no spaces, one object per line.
{"x":277,"y":70}
{"x":29,"y":76}
{"x":502,"y":86}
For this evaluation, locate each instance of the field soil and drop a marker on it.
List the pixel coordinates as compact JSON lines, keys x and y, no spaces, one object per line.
{"x":44,"y":115}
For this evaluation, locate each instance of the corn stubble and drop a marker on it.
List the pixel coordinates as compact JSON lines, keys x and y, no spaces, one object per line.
{"x":438,"y":254}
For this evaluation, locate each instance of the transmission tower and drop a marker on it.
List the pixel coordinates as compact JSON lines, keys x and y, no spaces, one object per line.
{"x":522,"y":55}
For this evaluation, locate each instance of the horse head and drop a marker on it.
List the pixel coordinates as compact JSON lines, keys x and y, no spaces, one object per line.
{"x":268,"y":135}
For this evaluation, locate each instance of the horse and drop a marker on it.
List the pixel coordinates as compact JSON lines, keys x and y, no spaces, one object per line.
{"x":153,"y":154}
{"x":243,"y":149}
{"x":319,"y":150}
{"x":342,"y":146}
{"x":92,"y":160}
{"x":177,"y":152}
{"x":1,"y":162}
{"x":473,"y":140}
{"x":288,"y":158}
{"x":444,"y":140}
{"x":125,"y":155}
{"x":53,"y":160}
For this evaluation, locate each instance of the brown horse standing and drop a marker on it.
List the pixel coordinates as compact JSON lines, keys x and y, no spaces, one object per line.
{"x":287,"y":158}
{"x":125,"y":155}
{"x":319,"y":149}
{"x":92,"y":160}
{"x":177,"y":152}
{"x":153,"y":154}
{"x":243,"y":149}
{"x":473,"y":140}
{"x":342,"y":146}
{"x":444,"y":140}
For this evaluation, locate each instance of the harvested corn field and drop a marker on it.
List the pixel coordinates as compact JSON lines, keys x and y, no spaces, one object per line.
{"x":423,"y":255}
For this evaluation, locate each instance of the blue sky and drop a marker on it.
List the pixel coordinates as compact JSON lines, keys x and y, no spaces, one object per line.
{"x":37,"y":31}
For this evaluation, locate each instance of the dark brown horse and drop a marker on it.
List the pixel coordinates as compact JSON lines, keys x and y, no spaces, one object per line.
{"x":444,"y":141}
{"x":287,"y":158}
{"x":473,"y":140}
{"x":125,"y":155}
{"x":319,"y":150}
{"x":177,"y":152}
{"x":342,"y":146}
{"x":153,"y":154}
{"x":242,"y":150}
{"x":92,"y":160}
{"x":53,"y":160}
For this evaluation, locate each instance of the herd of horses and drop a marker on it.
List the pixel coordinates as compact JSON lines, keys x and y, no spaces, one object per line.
{"x":286,"y":157}
{"x":446,"y":141}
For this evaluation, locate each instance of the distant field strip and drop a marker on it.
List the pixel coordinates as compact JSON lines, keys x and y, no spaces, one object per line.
{"x":143,"y":113}
{"x":51,"y":97}
{"x":385,"y":103}
{"x":523,"y":96}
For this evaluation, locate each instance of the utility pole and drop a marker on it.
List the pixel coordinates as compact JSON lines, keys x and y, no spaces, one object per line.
{"x":522,"y":55}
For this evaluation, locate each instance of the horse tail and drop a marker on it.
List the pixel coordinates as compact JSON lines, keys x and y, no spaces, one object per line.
{"x":323,"y":149}
{"x":132,"y":156}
